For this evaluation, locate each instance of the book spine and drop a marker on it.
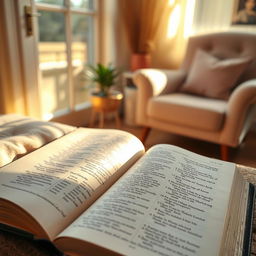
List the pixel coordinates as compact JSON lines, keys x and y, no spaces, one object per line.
{"x":249,"y":222}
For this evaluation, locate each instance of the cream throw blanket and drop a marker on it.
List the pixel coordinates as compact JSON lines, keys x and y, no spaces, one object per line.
{"x":20,"y":135}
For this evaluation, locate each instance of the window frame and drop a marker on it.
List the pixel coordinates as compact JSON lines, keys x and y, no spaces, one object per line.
{"x":67,"y":10}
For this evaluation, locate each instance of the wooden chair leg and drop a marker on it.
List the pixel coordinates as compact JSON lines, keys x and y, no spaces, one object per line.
{"x":224,"y":152}
{"x":144,"y":134}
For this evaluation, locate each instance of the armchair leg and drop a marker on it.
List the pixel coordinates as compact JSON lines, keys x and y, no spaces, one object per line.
{"x":224,"y":151}
{"x":144,"y":134}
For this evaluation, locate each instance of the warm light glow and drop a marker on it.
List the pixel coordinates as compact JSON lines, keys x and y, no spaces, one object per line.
{"x":174,"y":21}
{"x":159,"y":79}
{"x":189,"y":18}
{"x":47,"y":116}
{"x":171,"y":2}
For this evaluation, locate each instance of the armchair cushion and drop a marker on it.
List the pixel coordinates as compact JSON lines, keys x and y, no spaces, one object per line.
{"x":184,"y":109}
{"x":212,"y":77}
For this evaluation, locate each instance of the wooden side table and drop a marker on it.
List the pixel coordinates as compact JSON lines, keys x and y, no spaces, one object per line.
{"x":105,"y":105}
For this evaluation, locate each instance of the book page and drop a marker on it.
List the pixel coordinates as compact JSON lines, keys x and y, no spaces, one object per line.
{"x":57,"y":182}
{"x":172,"y":202}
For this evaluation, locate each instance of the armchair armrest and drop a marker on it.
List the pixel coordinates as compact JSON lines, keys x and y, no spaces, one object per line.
{"x":158,"y":81}
{"x":245,"y":93}
{"x":153,"y":82}
{"x":241,"y":110}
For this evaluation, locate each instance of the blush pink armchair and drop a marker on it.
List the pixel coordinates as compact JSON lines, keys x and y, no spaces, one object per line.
{"x":164,"y":103}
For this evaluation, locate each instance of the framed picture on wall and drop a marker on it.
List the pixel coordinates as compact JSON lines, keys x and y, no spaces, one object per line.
{"x":244,"y":12}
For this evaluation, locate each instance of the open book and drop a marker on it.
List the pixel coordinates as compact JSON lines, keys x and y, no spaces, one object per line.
{"x":96,"y":192}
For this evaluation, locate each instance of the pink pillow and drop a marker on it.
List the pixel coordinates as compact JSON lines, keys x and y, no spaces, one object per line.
{"x":212,"y":77}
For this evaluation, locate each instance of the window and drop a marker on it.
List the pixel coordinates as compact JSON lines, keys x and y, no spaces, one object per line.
{"x":66,"y":42}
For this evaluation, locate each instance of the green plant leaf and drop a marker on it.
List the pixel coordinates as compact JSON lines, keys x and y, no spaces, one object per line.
{"x":103,"y":75}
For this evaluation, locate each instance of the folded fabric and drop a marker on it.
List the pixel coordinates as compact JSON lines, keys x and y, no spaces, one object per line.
{"x":212,"y":77}
{"x":20,"y":135}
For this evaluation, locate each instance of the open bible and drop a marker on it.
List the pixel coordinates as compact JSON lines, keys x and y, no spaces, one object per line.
{"x":97,"y":192}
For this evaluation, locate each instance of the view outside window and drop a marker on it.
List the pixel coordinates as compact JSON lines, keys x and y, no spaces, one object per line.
{"x":65,"y":45}
{"x":55,"y":2}
{"x":53,"y":62}
{"x":82,"y":4}
{"x":81,"y":35}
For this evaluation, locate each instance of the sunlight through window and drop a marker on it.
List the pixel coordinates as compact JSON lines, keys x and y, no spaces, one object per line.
{"x":174,"y":21}
{"x":171,"y":2}
{"x":189,"y":15}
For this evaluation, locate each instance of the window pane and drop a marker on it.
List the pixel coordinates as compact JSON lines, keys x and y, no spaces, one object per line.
{"x":81,"y":53}
{"x":54,"y":2}
{"x":85,"y":4}
{"x":52,"y":62}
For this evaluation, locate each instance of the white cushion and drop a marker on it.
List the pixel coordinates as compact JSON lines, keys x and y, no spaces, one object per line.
{"x":20,"y":135}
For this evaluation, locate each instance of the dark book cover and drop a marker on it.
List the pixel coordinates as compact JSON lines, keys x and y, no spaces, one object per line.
{"x":249,"y":222}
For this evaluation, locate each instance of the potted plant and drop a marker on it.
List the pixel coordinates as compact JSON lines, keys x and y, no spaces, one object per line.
{"x":103,"y":77}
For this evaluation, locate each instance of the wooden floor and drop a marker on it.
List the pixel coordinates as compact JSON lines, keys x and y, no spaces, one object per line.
{"x":245,"y":154}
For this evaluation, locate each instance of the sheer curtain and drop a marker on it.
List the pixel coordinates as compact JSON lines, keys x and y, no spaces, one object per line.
{"x":12,"y":95}
{"x":172,"y":40}
{"x":142,"y":19}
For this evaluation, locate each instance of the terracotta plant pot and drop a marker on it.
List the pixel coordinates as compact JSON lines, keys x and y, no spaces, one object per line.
{"x":140,"y":60}
{"x":106,"y":103}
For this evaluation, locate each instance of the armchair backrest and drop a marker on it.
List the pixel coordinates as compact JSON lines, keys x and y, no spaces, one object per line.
{"x":224,"y":45}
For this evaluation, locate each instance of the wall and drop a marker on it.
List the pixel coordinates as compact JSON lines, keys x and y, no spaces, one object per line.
{"x":115,"y":48}
{"x":216,"y":16}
